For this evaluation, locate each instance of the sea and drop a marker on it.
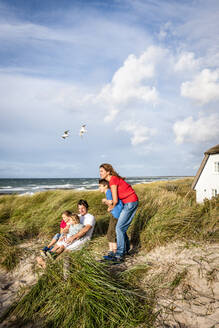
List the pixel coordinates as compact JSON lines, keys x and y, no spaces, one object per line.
{"x":31,"y":186}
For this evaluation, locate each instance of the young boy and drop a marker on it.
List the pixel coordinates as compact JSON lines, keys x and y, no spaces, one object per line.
{"x":111,"y":232}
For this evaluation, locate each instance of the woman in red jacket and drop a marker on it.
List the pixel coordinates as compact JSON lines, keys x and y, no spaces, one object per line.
{"x":120,"y":190}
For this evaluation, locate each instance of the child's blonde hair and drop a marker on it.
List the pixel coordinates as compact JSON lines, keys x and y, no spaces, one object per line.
{"x":75,"y":218}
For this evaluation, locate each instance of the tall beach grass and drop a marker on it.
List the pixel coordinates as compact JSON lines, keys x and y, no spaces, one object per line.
{"x":167,"y":211}
{"x":91,"y":295}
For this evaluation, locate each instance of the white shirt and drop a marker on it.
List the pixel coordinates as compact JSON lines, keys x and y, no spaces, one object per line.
{"x":88,"y":219}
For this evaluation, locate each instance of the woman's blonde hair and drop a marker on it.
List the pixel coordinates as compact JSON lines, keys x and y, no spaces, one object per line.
{"x":108,"y":168}
{"x":75,"y":218}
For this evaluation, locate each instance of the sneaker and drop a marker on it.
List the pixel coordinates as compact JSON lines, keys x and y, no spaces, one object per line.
{"x":118,"y":259}
{"x":108,"y":258}
{"x":45,"y":249}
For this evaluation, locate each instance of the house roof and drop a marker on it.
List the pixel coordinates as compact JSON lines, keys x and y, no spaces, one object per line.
{"x":211,"y":151}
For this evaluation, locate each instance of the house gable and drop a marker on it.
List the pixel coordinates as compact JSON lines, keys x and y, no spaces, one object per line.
{"x":211,"y":151}
{"x":201,"y":168}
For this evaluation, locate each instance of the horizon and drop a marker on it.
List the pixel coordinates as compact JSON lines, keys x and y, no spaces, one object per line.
{"x":134,"y":176}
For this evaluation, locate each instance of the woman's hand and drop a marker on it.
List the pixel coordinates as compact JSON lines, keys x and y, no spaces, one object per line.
{"x":107,"y":202}
{"x":110,"y":207}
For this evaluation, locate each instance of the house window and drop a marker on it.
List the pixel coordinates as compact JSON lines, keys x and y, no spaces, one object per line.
{"x":216,"y":167}
{"x":214,"y":192}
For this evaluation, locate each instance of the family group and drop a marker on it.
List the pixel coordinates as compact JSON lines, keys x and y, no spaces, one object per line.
{"x":76,"y":230}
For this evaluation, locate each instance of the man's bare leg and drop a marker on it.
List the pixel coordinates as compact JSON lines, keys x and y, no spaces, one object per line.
{"x":55,"y":248}
{"x":41,"y":262}
{"x":60,"y":249}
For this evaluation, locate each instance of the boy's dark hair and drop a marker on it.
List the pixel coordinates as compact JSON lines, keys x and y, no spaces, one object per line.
{"x":67,"y":213}
{"x":104,"y":182}
{"x":83,"y":202}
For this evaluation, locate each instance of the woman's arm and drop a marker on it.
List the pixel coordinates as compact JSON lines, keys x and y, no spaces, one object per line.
{"x":115,"y":197}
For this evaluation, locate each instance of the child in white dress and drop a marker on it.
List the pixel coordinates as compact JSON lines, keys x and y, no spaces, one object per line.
{"x":74,"y":227}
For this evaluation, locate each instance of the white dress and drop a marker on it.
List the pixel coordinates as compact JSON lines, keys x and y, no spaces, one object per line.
{"x":86,"y":219}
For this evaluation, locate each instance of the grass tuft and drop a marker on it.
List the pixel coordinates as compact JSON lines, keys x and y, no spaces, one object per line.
{"x":90,"y":297}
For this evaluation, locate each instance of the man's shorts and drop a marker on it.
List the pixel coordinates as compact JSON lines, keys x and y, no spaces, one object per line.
{"x":111,"y":232}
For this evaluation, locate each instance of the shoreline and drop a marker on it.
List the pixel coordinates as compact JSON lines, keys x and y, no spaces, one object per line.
{"x":84,"y":189}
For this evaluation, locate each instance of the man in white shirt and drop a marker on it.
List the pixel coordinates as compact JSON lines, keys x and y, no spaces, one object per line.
{"x":78,"y":240}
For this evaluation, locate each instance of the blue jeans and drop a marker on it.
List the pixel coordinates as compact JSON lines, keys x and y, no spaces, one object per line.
{"x":123,"y":223}
{"x":57,"y":236}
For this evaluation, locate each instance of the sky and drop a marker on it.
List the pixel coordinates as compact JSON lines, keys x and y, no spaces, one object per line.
{"x":143,"y":75}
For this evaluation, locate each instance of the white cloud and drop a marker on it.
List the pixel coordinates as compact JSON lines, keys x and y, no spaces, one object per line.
{"x":203,"y":130}
{"x":139,"y":133}
{"x":133,"y":82}
{"x":35,"y":94}
{"x":204,"y":88}
{"x":112,"y":114}
{"x":29,"y":31}
{"x":186,"y":61}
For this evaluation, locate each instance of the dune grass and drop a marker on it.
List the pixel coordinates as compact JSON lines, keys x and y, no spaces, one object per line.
{"x":167,"y":212}
{"x":89,"y":297}
{"x":38,"y":216}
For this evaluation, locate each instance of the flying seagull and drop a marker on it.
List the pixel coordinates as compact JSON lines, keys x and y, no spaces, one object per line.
{"x":82,"y":130}
{"x":65,"y":135}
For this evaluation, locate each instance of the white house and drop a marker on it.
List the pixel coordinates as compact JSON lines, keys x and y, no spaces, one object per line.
{"x":206,"y":182}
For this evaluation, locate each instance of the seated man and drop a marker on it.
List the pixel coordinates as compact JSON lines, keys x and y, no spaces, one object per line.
{"x":78,"y":240}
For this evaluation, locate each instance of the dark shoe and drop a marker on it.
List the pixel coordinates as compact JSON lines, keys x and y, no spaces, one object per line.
{"x":45,"y":249}
{"x":111,"y":253}
{"x":108,"y":257}
{"x":118,"y":259}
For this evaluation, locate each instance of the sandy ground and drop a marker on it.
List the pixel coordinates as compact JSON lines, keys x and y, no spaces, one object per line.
{"x":24,"y":275}
{"x":184,"y":278}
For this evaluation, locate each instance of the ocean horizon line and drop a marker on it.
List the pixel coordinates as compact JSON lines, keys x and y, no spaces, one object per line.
{"x":127,"y":176}
{"x":30,"y":186}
